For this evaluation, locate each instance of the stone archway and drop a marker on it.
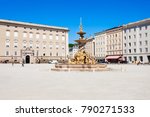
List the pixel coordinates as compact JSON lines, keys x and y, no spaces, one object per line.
{"x":27,"y":59}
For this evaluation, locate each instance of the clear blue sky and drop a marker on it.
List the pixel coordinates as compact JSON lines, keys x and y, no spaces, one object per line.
{"x":97,"y":15}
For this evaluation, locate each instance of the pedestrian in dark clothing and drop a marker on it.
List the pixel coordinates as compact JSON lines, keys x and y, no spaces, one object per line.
{"x":22,"y":62}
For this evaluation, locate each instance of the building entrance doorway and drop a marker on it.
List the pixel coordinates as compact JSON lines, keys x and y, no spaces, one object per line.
{"x":27,"y":59}
{"x":148,"y":57}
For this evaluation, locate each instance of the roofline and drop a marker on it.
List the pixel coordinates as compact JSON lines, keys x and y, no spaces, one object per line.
{"x":102,"y":32}
{"x":140,"y":22}
{"x":114,"y":28}
{"x":33,"y":24}
{"x":107,"y":30}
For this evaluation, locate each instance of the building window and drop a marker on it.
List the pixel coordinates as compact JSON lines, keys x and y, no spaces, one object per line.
{"x":134,"y":29}
{"x":141,"y":58}
{"x":44,"y":36}
{"x":15,"y":53}
{"x":145,"y":34}
{"x":125,"y":37}
{"x":129,"y":37}
{"x":37,"y":46}
{"x":130,"y":44}
{"x":7,"y":33}
{"x":125,"y":51}
{"x":50,"y":46}
{"x":7,"y":53}
{"x":125,"y":58}
{"x":129,"y":30}
{"x":43,"y":54}
{"x":140,"y":28}
{"x":134,"y":43}
{"x":57,"y":54}
{"x":31,"y":35}
{"x":15,"y":34}
{"x":145,"y":27}
{"x":134,"y":36}
{"x":24,"y":44}
{"x":146,"y":42}
{"x":130,"y":58}
{"x":135,"y":58}
{"x":57,"y":46}
{"x":129,"y":50}
{"x":31,"y":45}
{"x":125,"y":44}
{"x":24,"y":34}
{"x":15,"y":44}
{"x":63,"y":47}
{"x":63,"y":37}
{"x":140,"y":49}
{"x":140,"y":43}
{"x":50,"y":37}
{"x":134,"y":50}
{"x":146,"y":49}
{"x":57,"y":37}
{"x":50,"y":54}
{"x":7,"y":43}
{"x":140,"y":35}
{"x":37,"y":35}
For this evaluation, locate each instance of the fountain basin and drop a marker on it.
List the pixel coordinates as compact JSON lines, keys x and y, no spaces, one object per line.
{"x":80,"y":67}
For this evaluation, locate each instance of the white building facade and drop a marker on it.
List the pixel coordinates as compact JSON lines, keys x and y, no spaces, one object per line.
{"x":100,"y":46}
{"x":136,"y":41}
{"x":90,"y":46}
{"x":73,"y":50}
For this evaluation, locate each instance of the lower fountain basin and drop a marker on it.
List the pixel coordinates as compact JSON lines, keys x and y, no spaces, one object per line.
{"x":80,"y":67}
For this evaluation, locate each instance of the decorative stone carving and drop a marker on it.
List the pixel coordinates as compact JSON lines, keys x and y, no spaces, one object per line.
{"x":82,"y":57}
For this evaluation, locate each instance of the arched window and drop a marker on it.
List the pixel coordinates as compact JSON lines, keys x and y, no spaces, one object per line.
{"x":37,"y":35}
{"x":31,"y":35}
{"x":7,"y":33}
{"x":24,"y":34}
{"x":16,"y":34}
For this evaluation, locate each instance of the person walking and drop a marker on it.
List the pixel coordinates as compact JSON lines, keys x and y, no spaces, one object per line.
{"x":13,"y":63}
{"x":22,"y":62}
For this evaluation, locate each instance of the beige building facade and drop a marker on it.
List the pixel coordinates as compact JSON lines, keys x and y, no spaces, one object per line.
{"x":114,"y":46}
{"x":109,"y":44}
{"x":32,"y":42}
{"x":114,"y":41}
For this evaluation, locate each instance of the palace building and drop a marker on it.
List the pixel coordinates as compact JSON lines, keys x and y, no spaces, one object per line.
{"x":136,"y":41}
{"x":32,"y":42}
{"x":109,"y":45}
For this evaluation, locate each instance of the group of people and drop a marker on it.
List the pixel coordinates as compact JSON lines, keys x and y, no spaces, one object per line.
{"x":22,"y":63}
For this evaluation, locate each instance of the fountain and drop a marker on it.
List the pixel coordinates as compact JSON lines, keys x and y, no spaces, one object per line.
{"x":82,"y":61}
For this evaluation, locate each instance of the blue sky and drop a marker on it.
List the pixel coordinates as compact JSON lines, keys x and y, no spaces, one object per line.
{"x":97,"y":15}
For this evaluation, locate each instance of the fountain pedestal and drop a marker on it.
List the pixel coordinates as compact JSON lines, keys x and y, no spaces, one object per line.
{"x":82,"y":61}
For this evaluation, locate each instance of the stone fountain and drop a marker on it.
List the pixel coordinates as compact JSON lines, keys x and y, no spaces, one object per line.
{"x":82,"y":61}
